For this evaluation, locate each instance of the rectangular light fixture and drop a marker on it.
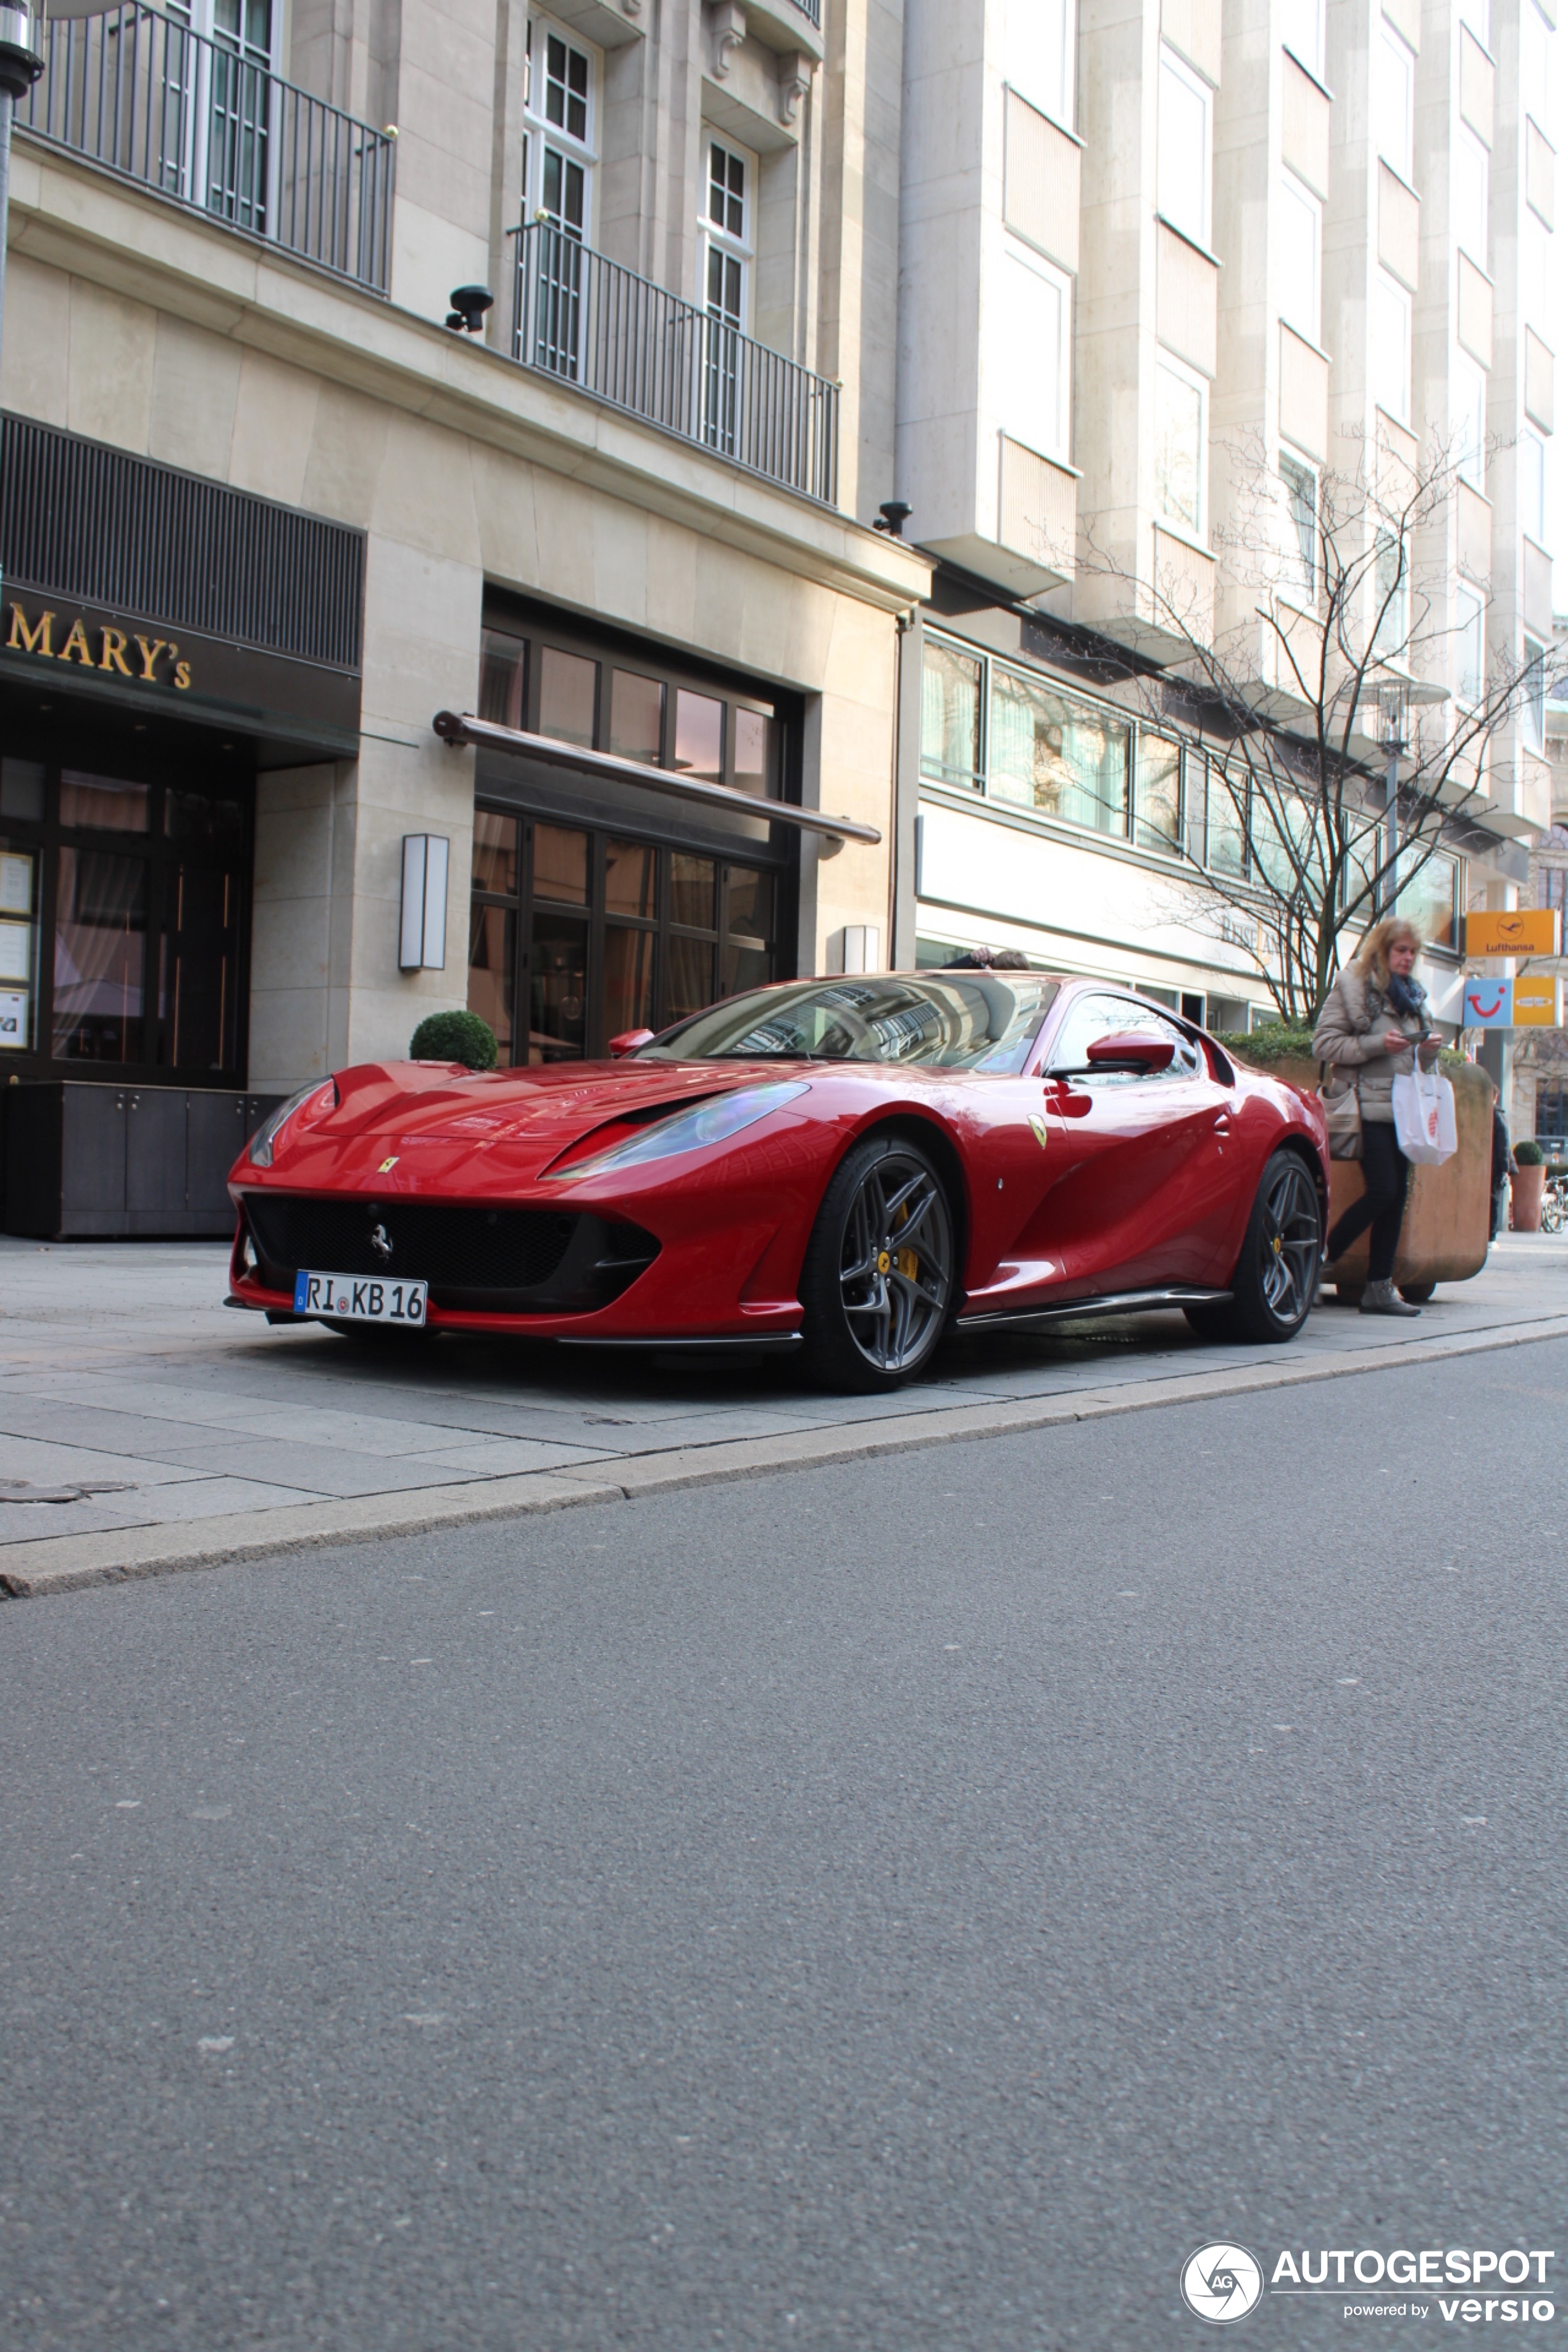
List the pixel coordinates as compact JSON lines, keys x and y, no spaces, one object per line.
{"x":422,"y":939}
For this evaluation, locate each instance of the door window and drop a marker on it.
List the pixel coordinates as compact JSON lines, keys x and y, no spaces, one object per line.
{"x":1108,"y":1016}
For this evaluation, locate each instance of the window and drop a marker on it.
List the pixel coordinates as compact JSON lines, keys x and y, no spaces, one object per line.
{"x":1299,"y":227}
{"x":1109,"y":1017}
{"x":1063,"y":758}
{"x":727,"y":232}
{"x":1469,"y":645}
{"x":558,"y":131}
{"x":215,"y":135}
{"x":1534,"y":705}
{"x":1471,"y":168}
{"x":1301,"y":509}
{"x":1532,"y":486}
{"x":1032,"y":356}
{"x":1391,"y":596}
{"x":950,"y":717}
{"x":1469,"y":426}
{"x":1157,"y":796}
{"x":1393,"y":98}
{"x":1429,"y":898}
{"x":1478,"y":16}
{"x":1535,"y":60}
{"x":1388,"y":348}
{"x":1301,"y":29}
{"x":1536,"y":293}
{"x":1179,"y":404}
{"x":1039,"y":62}
{"x":1183,"y":162}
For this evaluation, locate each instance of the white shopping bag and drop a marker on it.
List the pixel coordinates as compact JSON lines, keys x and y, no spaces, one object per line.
{"x":1424,"y":1117}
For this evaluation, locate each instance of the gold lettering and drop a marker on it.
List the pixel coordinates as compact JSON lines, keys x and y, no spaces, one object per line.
{"x":150,"y":654}
{"x":76,"y":646}
{"x":114,"y":654}
{"x":182,"y":675}
{"x":30,"y":641}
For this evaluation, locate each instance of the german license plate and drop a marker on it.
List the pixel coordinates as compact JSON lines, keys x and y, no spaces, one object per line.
{"x":360,"y":1299}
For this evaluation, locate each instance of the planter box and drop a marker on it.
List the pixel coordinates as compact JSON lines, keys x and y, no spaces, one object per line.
{"x":85,"y":1160}
{"x":1527,"y":1188}
{"x":1449,"y":1210}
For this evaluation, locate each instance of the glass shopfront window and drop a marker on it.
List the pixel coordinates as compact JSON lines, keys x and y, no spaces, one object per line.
{"x":123,"y":917}
{"x":579,"y":932}
{"x":576,"y":936}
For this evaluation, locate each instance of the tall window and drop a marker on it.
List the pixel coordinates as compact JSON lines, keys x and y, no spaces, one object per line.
{"x":1301,"y":510}
{"x":727,"y":232}
{"x":1393,"y":98}
{"x":1535,"y":75}
{"x":218,"y":155}
{"x":1179,"y":410}
{"x":1469,"y":645}
{"x":1186,"y":115}
{"x":1033,"y":355}
{"x":1388,"y":348}
{"x":1391,"y":596}
{"x":1301,"y":29}
{"x":1039,"y":58}
{"x":1299,"y":225}
{"x":558,"y":154}
{"x":1471,"y":168}
{"x":1470,"y":421}
{"x":1535,"y":694}
{"x":1532,"y":486}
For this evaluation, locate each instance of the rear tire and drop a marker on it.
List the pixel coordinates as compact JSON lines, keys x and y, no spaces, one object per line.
{"x":879,"y":1277}
{"x":1276,"y":1275}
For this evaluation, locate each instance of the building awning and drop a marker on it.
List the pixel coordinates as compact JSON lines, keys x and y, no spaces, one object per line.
{"x":486,"y":735}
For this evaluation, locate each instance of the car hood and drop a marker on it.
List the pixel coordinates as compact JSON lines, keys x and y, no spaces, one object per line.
{"x":401,"y":1125}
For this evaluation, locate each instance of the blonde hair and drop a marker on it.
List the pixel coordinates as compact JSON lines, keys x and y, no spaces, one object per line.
{"x":1372,"y":956}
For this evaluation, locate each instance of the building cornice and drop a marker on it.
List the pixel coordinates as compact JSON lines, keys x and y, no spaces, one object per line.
{"x":73,"y":217}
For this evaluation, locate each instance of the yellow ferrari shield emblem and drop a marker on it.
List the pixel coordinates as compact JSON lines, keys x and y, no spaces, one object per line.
{"x":388,"y":1163}
{"x":1040,"y":1131}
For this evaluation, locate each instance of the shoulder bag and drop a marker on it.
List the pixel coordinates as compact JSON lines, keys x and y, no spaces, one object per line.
{"x":1341,"y":1115}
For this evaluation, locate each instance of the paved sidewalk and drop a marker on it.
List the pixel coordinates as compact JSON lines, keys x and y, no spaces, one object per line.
{"x":143,"y":1426}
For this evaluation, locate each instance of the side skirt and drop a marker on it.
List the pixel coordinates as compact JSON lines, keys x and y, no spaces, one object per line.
{"x":1120,"y":1302}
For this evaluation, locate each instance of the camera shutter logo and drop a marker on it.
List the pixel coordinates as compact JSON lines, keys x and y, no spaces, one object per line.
{"x":1221,"y":2282}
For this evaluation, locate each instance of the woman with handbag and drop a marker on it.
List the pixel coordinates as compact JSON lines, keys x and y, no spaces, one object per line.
{"x":1372,"y":1029}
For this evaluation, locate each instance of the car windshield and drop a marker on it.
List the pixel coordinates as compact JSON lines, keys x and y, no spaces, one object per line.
{"x":947,"y":1021}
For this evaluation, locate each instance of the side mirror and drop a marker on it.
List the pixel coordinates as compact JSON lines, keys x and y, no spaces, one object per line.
{"x":628,"y":1041}
{"x":1132,"y":1049}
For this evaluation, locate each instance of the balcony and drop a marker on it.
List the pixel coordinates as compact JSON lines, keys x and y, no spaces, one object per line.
{"x":208,"y":126}
{"x":586,"y":321}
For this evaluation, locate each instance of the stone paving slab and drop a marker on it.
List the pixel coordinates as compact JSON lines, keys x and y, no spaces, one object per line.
{"x":231,"y":1438}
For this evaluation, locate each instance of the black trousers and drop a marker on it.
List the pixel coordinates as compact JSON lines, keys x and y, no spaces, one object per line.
{"x":1381,"y":1206}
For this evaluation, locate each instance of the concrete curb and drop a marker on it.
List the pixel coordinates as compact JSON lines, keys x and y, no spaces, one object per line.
{"x":68,"y":1563}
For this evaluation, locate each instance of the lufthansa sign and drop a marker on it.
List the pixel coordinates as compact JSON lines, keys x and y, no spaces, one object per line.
{"x":123,"y":651}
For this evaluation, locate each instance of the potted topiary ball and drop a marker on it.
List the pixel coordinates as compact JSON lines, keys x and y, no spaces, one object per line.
{"x":1528,"y":1186}
{"x":454,"y":1037}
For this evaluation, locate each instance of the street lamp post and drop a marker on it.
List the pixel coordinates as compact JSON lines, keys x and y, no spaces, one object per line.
{"x":1392,"y":702}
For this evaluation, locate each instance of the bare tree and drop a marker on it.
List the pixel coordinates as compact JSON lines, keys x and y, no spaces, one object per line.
{"x":1349,"y":667}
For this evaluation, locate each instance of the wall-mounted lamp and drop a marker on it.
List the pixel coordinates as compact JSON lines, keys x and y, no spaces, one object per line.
{"x":469,"y":304}
{"x":893,"y":514}
{"x":422,"y":935}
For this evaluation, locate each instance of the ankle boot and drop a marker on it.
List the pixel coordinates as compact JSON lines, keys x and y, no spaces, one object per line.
{"x":1382,"y":1298}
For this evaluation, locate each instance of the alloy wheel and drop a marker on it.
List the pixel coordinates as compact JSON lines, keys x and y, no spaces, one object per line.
{"x":895,"y":1267}
{"x":1289,"y":1242}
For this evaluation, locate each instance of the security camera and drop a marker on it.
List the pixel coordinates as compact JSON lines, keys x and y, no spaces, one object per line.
{"x":469,"y":304}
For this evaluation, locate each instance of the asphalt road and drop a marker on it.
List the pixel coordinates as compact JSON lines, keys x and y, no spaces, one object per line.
{"x":898,"y":1908}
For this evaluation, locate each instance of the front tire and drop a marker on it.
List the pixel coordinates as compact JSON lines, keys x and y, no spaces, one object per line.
{"x":1276,"y":1275}
{"x":879,"y":1277}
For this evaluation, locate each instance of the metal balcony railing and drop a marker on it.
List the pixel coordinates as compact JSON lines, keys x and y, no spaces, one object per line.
{"x":812,"y":9}
{"x":589,"y":323}
{"x":207,"y":125}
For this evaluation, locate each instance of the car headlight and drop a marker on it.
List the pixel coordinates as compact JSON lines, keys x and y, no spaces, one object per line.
{"x":271,"y":1128}
{"x":714,"y":1122}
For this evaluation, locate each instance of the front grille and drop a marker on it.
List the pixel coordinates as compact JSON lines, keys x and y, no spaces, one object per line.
{"x":500,"y":1260}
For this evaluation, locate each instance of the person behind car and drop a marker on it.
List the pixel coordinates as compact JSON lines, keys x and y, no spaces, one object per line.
{"x":1373,"y":1025}
{"x":1502,"y":1164}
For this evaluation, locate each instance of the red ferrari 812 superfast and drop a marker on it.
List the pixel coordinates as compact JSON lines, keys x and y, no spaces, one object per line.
{"x":847,"y":1166}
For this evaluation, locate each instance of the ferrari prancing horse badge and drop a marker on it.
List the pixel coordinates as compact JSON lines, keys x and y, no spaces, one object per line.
{"x":1040,"y":1128}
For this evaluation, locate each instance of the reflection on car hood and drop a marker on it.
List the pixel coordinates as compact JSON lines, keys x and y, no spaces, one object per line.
{"x":418,"y":1103}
